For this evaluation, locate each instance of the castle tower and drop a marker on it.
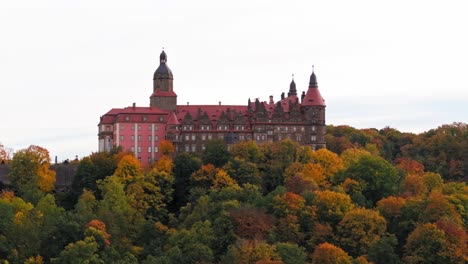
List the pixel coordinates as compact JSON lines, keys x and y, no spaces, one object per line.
{"x":313,"y":107}
{"x":163,"y":95}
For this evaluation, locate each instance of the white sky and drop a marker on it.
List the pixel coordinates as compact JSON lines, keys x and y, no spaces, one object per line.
{"x":378,"y":63}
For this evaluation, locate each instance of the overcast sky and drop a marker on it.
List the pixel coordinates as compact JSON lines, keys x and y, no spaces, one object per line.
{"x":63,"y":64}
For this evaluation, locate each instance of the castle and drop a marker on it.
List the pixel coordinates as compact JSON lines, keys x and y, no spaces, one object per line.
{"x":189,"y":127}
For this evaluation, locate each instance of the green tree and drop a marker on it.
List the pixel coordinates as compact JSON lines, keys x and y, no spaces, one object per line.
{"x":81,"y":252}
{"x":427,"y":244}
{"x":215,"y":153}
{"x":377,"y":177}
{"x":332,"y":206}
{"x":184,"y":165}
{"x":383,"y":250}
{"x":291,"y":253}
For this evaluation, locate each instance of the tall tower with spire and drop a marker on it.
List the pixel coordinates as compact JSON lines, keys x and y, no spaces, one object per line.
{"x":313,"y":107}
{"x":163,"y":95}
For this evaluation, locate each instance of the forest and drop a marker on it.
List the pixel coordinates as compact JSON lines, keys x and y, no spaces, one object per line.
{"x":372,"y":196}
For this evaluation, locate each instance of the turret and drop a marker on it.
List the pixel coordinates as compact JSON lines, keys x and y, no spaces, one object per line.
{"x":163,"y":95}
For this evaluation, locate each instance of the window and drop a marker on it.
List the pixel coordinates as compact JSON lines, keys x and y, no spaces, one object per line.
{"x":139,"y":138}
{"x":161,"y":119}
{"x":187,"y":137}
{"x":149,"y":138}
{"x":144,"y":118}
{"x":270,"y":133}
{"x":149,"y":149}
{"x":108,"y":128}
{"x":139,"y":149}
{"x":209,"y":137}
{"x":127,"y":118}
{"x":194,"y":148}
{"x":298,"y":138}
{"x":203,"y":147}
{"x":313,"y":138}
{"x":203,"y":137}
{"x":133,"y":137}
{"x":121,"y":138}
{"x":139,"y":127}
{"x":132,"y":148}
{"x":294,"y":129}
{"x":187,"y":148}
{"x":122,"y":127}
{"x":155,"y":128}
{"x":193,"y":136}
{"x":258,"y":138}
{"x":156,"y":149}
{"x":156,"y":138}
{"x":313,"y":128}
{"x":149,"y":160}
{"x":241,"y":137}
{"x":149,"y":128}
{"x":132,"y":127}
{"x":302,"y":129}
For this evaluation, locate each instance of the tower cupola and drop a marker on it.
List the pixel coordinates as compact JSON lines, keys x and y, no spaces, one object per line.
{"x":292,"y":87}
{"x":163,"y":71}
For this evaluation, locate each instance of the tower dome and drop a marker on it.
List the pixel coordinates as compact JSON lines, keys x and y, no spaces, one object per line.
{"x":163,"y":71}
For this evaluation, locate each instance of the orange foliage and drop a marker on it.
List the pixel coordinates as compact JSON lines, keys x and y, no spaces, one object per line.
{"x":316,"y":173}
{"x":391,"y":206}
{"x":330,"y":254}
{"x":166,"y":147}
{"x":413,"y":185}
{"x":164,"y":164}
{"x":438,"y":207}
{"x":46,"y":180}
{"x":456,"y":236}
{"x":410,"y":166}
{"x":101,"y":227}
{"x":7,"y":195}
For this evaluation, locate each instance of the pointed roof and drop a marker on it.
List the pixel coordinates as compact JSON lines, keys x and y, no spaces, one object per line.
{"x":292,"y":87}
{"x":172,"y":119}
{"x":313,"y":96}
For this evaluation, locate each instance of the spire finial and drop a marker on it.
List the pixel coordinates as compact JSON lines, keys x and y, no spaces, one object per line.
{"x":293,"y":76}
{"x":313,"y":68}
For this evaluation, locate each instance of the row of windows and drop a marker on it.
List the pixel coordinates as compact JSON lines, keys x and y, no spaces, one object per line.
{"x":208,"y":127}
{"x":156,"y":149}
{"x":144,"y":118}
{"x":132,"y":127}
{"x":132,"y":138}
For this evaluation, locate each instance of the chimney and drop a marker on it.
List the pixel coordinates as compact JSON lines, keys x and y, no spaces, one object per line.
{"x":302,"y":96}
{"x":55,"y":160}
{"x":134,"y":105}
{"x":271,"y":99}
{"x":219,"y":102}
{"x":282,"y":96}
{"x":187,"y":103}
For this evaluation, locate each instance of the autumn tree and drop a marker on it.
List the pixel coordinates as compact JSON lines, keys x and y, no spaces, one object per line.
{"x":246,"y":252}
{"x":332,"y":206}
{"x":246,"y":150}
{"x":30,"y":174}
{"x":330,"y":254}
{"x":330,"y":162}
{"x":359,"y":229}
{"x":428,"y":244}
{"x":5,"y":154}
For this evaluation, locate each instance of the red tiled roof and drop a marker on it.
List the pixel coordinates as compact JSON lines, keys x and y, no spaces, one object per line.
{"x":172,"y":119}
{"x":161,"y":93}
{"x":213,"y":111}
{"x":313,"y":98}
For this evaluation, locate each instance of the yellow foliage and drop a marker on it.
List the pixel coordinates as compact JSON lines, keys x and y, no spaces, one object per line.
{"x":330,"y":162}
{"x":128,"y":169}
{"x":164,"y":164}
{"x":46,"y":180}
